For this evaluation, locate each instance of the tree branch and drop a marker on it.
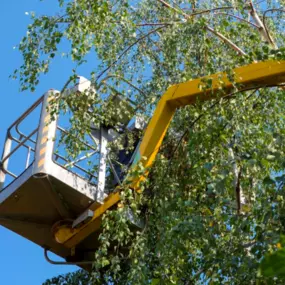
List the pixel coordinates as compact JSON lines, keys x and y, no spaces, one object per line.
{"x":261,"y":28}
{"x":263,"y":18}
{"x":71,"y":78}
{"x":226,"y":40}
{"x":210,"y":29}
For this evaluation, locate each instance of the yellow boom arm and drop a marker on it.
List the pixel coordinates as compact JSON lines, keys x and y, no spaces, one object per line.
{"x":255,"y":75}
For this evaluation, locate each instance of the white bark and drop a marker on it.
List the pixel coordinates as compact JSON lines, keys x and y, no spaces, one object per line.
{"x":262,"y":31}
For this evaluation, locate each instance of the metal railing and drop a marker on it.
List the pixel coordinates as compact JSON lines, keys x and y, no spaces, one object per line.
{"x":17,"y":139}
{"x":20,"y":140}
{"x":71,"y":164}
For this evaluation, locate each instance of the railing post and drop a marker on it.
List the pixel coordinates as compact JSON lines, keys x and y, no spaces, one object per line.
{"x":4,"y":166}
{"x":28,"y":157}
{"x":102,"y":165}
{"x":46,"y":136}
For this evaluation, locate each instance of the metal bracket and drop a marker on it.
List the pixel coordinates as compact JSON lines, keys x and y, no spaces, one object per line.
{"x":84,"y":218}
{"x":79,"y":263}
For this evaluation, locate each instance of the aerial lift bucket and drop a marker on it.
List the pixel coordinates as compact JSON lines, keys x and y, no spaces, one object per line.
{"x":48,"y":194}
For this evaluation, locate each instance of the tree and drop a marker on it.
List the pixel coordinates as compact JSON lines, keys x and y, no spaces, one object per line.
{"x":214,"y":201}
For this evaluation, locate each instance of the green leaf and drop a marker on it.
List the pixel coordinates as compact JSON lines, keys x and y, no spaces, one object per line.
{"x":155,"y":281}
{"x":273,"y":265}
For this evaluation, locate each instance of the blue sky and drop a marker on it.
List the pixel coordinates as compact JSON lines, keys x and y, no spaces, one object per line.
{"x":21,"y":261}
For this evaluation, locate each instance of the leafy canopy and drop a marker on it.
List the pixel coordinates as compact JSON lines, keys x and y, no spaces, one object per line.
{"x":214,"y":201}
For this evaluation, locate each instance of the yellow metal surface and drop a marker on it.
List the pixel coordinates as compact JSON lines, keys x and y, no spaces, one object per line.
{"x":71,"y":237}
{"x":255,"y":75}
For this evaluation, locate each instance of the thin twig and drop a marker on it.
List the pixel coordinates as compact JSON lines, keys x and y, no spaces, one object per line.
{"x":211,"y":10}
{"x":263,"y":18}
{"x":196,"y":13}
{"x":66,"y":84}
{"x":123,"y":79}
{"x":127,"y":49}
{"x":237,"y":17}
{"x":260,"y":2}
{"x":155,"y":24}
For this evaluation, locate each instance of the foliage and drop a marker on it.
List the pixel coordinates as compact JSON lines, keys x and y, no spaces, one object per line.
{"x":79,"y":277}
{"x":272,"y":264}
{"x":215,"y":155}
